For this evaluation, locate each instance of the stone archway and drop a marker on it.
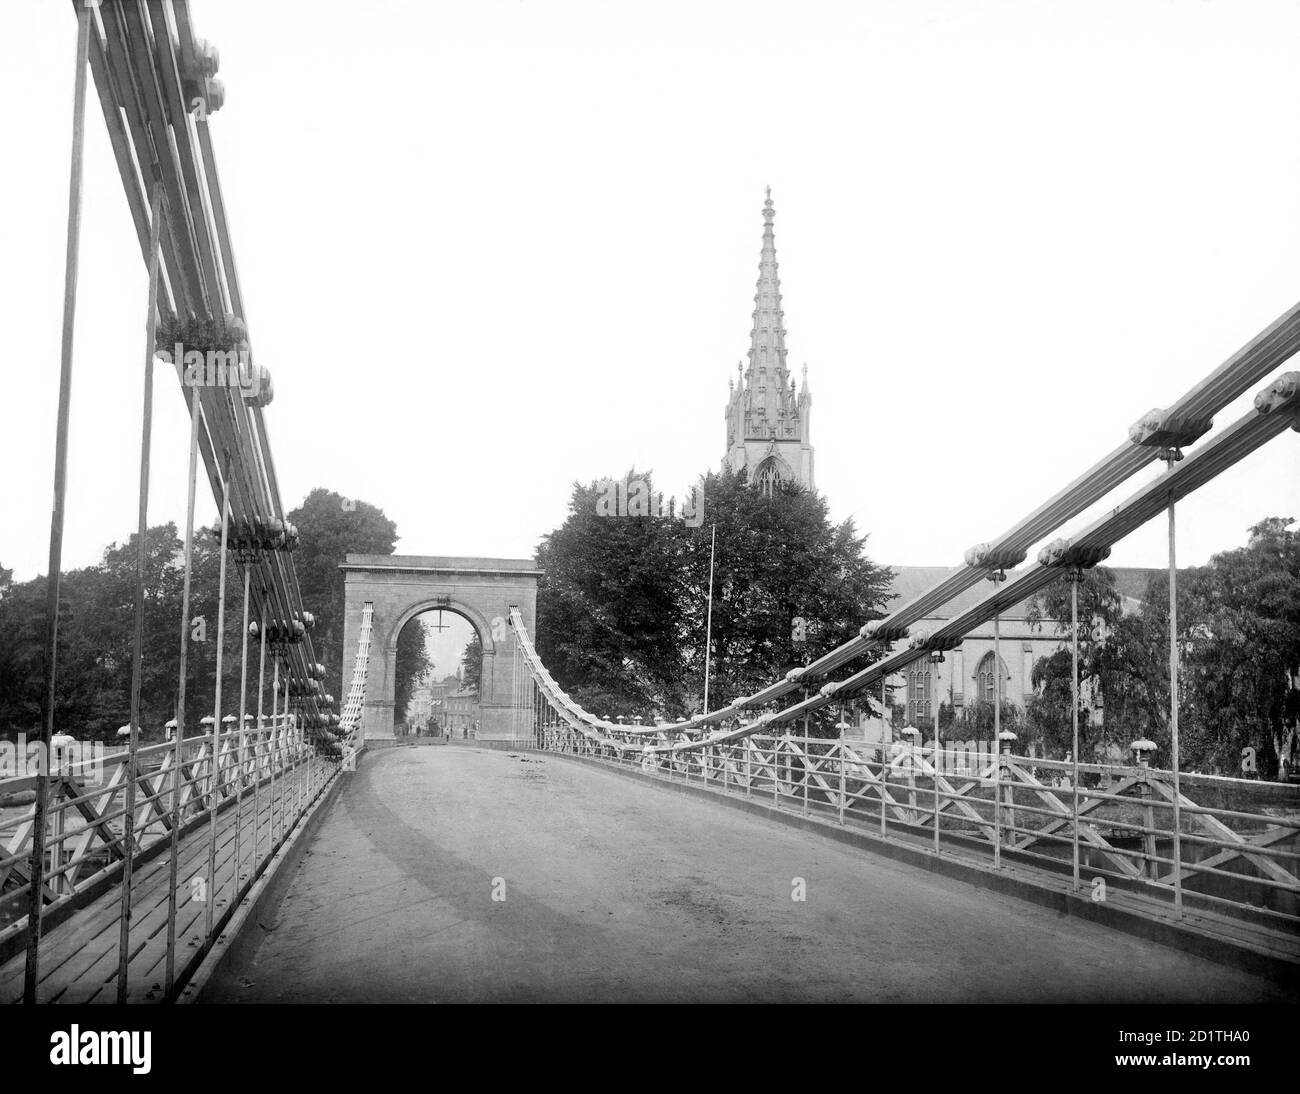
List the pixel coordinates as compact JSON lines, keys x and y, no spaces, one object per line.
{"x":400,"y":587}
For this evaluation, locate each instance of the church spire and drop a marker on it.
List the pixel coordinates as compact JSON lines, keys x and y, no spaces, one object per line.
{"x":768,"y":434}
{"x":767,"y":338}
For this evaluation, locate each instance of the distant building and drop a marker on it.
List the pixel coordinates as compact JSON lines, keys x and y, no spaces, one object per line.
{"x":462,"y":713}
{"x":969,"y":673}
{"x":419,"y":707}
{"x":769,"y":439}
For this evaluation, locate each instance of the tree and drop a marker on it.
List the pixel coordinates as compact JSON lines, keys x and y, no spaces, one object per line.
{"x":413,"y":664}
{"x":96,"y":640}
{"x":623,"y":606}
{"x":608,"y":604}
{"x":1239,"y":641}
{"x":330,"y":526}
{"x":1239,"y":655}
{"x":97,"y":614}
{"x":1116,"y":669}
{"x":471,"y":664}
{"x":789,"y":586}
{"x":976,"y":721}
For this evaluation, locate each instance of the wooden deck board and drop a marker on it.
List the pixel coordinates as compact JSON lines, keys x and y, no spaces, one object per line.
{"x":79,"y":957}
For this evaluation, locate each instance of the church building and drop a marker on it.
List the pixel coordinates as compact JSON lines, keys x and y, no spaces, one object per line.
{"x":767,"y":421}
{"x":769,"y":438}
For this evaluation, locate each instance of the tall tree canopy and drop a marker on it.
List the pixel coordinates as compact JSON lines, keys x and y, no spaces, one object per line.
{"x":471,"y":663}
{"x":329,"y":526}
{"x":1239,"y":658}
{"x":96,"y":626}
{"x":96,"y":623}
{"x":622,"y":609}
{"x":413,"y":665}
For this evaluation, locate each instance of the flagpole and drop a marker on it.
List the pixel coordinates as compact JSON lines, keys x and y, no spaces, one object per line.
{"x":708,"y":629}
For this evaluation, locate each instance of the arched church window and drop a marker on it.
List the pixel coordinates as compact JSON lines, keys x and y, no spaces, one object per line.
{"x":986,"y":679}
{"x":918,"y":692}
{"x":769,"y":477}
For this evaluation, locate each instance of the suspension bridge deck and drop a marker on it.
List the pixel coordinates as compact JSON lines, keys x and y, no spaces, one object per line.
{"x":79,"y":956}
{"x":616,"y":891}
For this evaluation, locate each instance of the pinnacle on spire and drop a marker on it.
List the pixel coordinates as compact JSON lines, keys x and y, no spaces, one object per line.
{"x":767,"y":338}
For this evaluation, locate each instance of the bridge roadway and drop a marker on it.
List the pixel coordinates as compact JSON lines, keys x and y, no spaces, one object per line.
{"x":616,"y":890}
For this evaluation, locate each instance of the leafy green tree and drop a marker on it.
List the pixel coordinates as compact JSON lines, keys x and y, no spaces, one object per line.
{"x":97,"y":617}
{"x":22,"y":658}
{"x":330,"y":526}
{"x":976,"y":721}
{"x":623,"y":605}
{"x":1239,"y":643}
{"x":96,"y":640}
{"x":788,"y":587}
{"x":1239,"y":653}
{"x":471,"y":664}
{"x":413,"y":665}
{"x":1116,"y":667}
{"x":608,"y":605}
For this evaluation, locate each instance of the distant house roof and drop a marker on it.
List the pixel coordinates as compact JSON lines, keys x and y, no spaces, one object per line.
{"x":910,"y":581}
{"x":1131,"y":583}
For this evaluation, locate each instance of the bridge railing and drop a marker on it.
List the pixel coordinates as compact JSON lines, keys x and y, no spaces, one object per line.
{"x":184,"y":785}
{"x":354,"y":704}
{"x":1234,"y":843}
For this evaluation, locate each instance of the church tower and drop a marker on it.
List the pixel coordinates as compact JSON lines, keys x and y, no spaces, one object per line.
{"x":767,"y":421}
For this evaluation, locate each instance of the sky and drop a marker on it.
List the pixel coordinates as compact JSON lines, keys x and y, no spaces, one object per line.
{"x":489,"y":248}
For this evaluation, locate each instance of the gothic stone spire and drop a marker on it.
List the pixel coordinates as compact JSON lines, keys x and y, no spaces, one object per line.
{"x":767,"y":337}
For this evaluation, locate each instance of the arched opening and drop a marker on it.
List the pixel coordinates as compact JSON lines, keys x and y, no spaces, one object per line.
{"x":438,"y":673}
{"x":918,"y":693}
{"x":768,"y":477}
{"x":986,"y":680}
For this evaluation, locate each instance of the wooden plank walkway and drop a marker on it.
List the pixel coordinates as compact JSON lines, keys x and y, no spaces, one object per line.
{"x":79,"y":957}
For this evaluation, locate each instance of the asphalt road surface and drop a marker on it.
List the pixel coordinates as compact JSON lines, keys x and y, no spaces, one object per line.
{"x":610,"y":890}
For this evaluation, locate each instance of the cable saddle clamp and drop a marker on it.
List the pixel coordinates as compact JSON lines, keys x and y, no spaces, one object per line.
{"x":1061,"y":552}
{"x":1281,"y":395}
{"x":985,"y":556}
{"x":1169,"y":432}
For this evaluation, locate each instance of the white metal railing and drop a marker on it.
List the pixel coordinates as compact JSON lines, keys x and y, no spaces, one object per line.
{"x":1239,"y":851}
{"x":350,"y":718}
{"x":86,"y":810}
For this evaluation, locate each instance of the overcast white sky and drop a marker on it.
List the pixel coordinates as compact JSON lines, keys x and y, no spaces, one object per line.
{"x":492,"y":247}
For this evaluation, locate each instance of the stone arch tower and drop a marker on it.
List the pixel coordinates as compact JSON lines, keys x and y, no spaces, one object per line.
{"x":400,"y":587}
